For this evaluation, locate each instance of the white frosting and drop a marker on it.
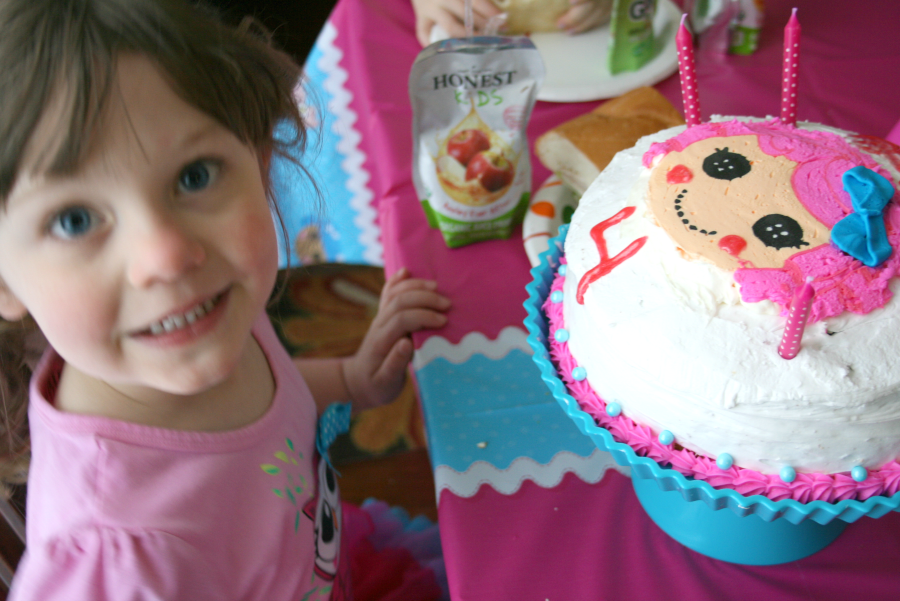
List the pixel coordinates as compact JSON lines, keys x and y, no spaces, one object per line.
{"x":673,"y":343}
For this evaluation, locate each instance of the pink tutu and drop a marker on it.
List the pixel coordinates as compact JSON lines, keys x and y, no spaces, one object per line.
{"x":392,"y":557}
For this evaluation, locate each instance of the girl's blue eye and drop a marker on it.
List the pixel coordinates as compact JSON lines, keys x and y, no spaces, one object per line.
{"x":72,"y":223}
{"x":197,"y":176}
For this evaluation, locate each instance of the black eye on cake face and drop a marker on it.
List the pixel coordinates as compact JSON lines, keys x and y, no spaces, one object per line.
{"x":724,"y":164}
{"x":779,"y":231}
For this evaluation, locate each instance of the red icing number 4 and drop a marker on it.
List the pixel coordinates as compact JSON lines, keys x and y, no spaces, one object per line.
{"x":606,"y":264}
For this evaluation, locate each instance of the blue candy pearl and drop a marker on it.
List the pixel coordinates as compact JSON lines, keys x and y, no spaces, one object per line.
{"x":613,"y":409}
{"x":579,"y":373}
{"x":561,"y":335}
{"x":666,"y":437}
{"x":859,"y":473}
{"x":557,"y":296}
{"x":562,"y":270}
{"x":788,"y":474}
{"x":724,"y":461}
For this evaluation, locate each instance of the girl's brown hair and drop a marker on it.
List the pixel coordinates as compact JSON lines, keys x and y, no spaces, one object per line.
{"x":63,"y":54}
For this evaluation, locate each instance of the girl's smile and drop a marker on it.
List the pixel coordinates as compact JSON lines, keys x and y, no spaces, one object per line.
{"x":183,"y":327}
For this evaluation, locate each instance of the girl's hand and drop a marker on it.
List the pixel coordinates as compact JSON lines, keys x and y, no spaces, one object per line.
{"x":585,"y":15}
{"x":376,"y":373}
{"x":451,"y":16}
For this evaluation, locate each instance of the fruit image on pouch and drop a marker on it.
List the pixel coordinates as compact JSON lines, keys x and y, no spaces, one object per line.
{"x":491,"y":169}
{"x":466,"y":144}
{"x":475,"y":167}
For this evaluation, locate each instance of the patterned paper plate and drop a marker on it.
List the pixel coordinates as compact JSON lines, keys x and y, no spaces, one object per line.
{"x":551,"y":206}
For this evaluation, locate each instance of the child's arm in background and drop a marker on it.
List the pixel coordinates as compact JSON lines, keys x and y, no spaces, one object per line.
{"x":376,"y":373}
{"x":585,"y":15}
{"x":450,"y":15}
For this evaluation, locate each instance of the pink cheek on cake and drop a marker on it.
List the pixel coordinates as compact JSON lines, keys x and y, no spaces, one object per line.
{"x":733,"y":245}
{"x":679,"y":174}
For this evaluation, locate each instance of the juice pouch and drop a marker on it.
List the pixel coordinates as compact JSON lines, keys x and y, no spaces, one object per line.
{"x":632,"y":41}
{"x":471,"y":100}
{"x":746,"y":27}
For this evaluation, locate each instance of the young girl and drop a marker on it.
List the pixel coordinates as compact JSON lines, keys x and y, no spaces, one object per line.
{"x":173,"y":443}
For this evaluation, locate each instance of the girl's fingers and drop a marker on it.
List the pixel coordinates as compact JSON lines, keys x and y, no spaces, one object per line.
{"x":394,"y":287}
{"x":482,"y":10}
{"x":385,"y":380}
{"x":414,"y":315}
{"x":406,"y":322}
{"x":485,"y":8}
{"x":400,"y":274}
{"x":583,"y":16}
{"x":393,"y":368}
{"x":407,"y":289}
{"x":450,"y":16}
{"x":423,"y":31}
{"x":401,"y":325}
{"x":415,"y":298}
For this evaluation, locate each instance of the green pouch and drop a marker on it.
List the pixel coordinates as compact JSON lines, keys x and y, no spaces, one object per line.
{"x":632,"y":41}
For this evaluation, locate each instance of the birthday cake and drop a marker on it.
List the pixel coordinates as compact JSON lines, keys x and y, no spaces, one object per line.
{"x":682,"y":264}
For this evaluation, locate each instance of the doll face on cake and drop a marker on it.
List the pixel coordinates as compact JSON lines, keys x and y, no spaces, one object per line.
{"x":724,"y":200}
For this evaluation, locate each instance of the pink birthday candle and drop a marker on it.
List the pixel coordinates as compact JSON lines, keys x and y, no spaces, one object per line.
{"x":685,"y":44}
{"x":801,"y":303}
{"x":789,"y":72}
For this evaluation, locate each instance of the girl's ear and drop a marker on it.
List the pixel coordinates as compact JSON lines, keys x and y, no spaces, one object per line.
{"x":11,"y":308}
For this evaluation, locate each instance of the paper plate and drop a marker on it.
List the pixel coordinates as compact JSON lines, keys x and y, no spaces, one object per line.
{"x":551,"y":206}
{"x":577,"y":68}
{"x":576,"y":65}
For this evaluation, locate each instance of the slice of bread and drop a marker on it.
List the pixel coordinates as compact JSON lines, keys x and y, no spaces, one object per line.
{"x":579,"y":149}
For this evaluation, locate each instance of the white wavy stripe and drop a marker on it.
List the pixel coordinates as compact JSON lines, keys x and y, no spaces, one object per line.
{"x":348,"y":145}
{"x":589,"y":469}
{"x":509,"y":338}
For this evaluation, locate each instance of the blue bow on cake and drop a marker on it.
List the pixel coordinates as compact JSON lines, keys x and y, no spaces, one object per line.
{"x":862,"y":234}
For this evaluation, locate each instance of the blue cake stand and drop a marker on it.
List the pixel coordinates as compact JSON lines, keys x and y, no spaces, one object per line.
{"x":754,"y":531}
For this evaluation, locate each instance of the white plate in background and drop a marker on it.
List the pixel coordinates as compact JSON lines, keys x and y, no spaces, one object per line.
{"x":577,"y":68}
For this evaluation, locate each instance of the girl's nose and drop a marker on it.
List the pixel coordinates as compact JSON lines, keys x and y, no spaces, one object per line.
{"x":162,"y":252}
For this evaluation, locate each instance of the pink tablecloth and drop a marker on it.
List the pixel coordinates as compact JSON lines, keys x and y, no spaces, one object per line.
{"x":568,"y":535}
{"x":594,"y":541}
